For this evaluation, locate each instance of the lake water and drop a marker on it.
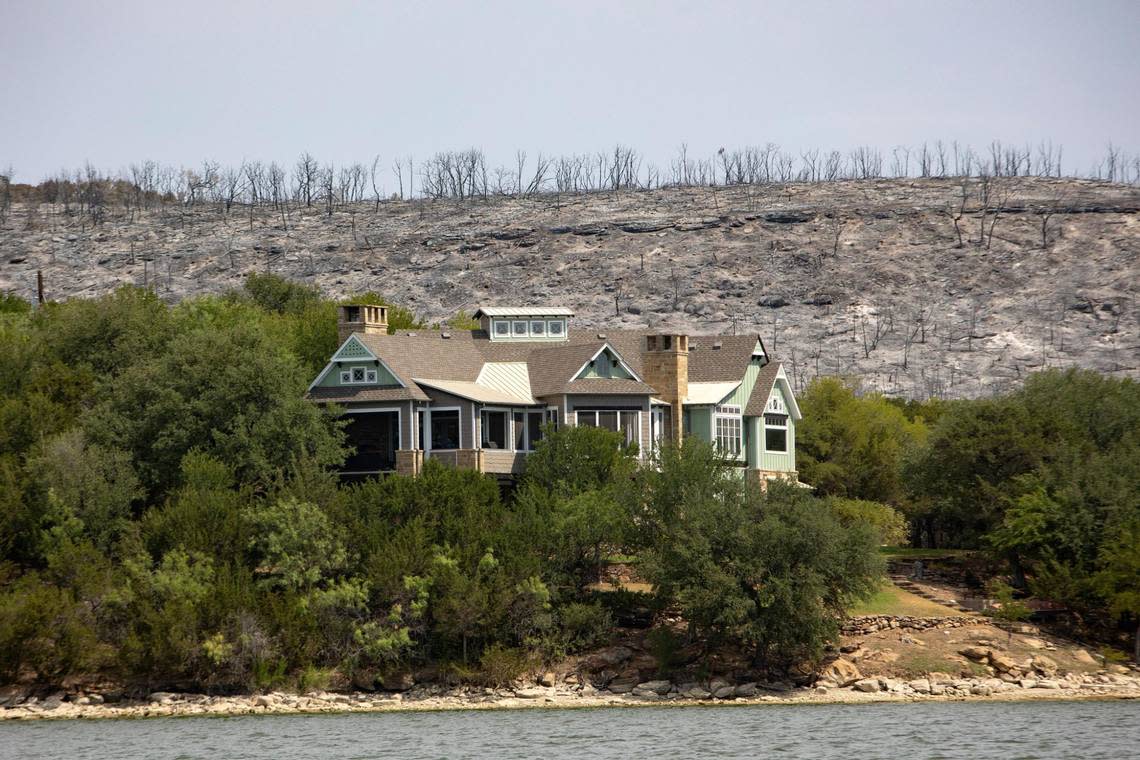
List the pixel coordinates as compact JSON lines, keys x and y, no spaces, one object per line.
{"x":858,"y":732}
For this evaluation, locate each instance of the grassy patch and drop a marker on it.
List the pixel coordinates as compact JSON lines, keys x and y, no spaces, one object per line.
{"x":919,"y":664}
{"x":909,"y":552}
{"x":892,"y":600}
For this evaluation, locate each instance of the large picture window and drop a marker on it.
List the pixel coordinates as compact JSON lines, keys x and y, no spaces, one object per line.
{"x":619,"y":421}
{"x":445,"y":429}
{"x":729,"y":430}
{"x":494,"y":426}
{"x":775,"y":432}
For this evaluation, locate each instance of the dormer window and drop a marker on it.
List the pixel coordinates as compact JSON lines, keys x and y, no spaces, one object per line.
{"x":523,"y":323}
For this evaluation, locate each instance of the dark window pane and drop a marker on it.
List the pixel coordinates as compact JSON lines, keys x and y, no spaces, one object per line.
{"x":608,"y":420}
{"x":775,"y":439}
{"x":494,"y":430}
{"x":445,"y":430}
{"x":534,"y":421}
{"x":587,"y":419}
{"x":375,"y":435}
{"x":520,"y":431}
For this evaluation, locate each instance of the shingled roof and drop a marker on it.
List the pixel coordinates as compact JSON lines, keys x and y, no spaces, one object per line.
{"x":461,"y":356}
{"x":762,"y":389}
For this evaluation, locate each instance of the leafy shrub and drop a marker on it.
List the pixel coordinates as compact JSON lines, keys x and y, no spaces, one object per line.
{"x":500,"y":665}
{"x":585,"y":625}
{"x":665,"y":646}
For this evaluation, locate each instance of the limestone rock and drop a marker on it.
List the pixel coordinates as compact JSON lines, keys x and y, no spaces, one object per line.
{"x":548,"y":679}
{"x":978,"y":654}
{"x":842,"y":672}
{"x":1044,"y":665}
{"x":1083,"y":657}
{"x":868,"y":685}
{"x":746,"y":690}
{"x":657,"y":687}
{"x":1002,"y":663}
{"x":725,"y":692}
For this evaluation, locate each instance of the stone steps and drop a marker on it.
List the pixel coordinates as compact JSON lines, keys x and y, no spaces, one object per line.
{"x":904,"y":583}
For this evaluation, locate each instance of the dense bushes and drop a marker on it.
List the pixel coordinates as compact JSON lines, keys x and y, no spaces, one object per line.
{"x":1045,"y":479}
{"x":168,"y":512}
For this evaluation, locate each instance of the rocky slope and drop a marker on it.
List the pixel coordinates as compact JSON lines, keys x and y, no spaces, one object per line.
{"x":861,"y":278}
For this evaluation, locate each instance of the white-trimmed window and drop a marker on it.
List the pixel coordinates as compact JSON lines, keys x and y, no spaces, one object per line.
{"x":556,"y":327}
{"x":518,"y":328}
{"x":528,"y":428}
{"x":537,"y":328}
{"x":358,"y":376}
{"x":776,"y":432}
{"x":729,"y":429}
{"x":501,"y":328}
{"x":493,"y":424}
{"x":628,"y":423}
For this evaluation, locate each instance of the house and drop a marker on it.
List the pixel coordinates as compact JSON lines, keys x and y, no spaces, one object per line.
{"x":481,"y":398}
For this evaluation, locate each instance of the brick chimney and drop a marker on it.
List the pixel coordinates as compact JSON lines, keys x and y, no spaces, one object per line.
{"x":665,"y":362}
{"x":361,"y":318}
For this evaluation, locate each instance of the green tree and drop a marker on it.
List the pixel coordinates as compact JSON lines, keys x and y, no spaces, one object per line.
{"x":232,"y":394}
{"x":1118,"y":579}
{"x":854,"y":445}
{"x":88,"y":483}
{"x":773,"y":574}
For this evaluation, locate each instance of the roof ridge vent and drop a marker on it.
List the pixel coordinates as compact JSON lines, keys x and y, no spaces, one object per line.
{"x":601,"y":336}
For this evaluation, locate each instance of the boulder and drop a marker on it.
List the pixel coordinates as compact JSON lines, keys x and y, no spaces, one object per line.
{"x":746,"y":690}
{"x":772,"y":302}
{"x":717,"y":684}
{"x":1083,"y":657}
{"x":868,"y":685}
{"x":161,"y":697}
{"x":842,"y":672}
{"x":920,"y":685}
{"x":657,"y":687}
{"x":1043,"y":665}
{"x":548,"y":679}
{"x":697,"y":692}
{"x":623,"y":684}
{"x":978,"y":654}
{"x":608,"y":657}
{"x":725,"y":692}
{"x":981,"y":690}
{"x":262,"y":700}
{"x":400,"y":680}
{"x":531,"y":693}
{"x":1002,"y":663}
{"x":1048,"y":684}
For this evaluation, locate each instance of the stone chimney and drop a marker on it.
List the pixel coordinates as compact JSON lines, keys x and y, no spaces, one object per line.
{"x":665,"y":362}
{"x":361,"y":318}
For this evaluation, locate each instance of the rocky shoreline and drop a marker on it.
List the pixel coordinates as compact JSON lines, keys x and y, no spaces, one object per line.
{"x":937,"y":687}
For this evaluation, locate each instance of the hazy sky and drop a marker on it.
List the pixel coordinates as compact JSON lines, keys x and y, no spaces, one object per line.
{"x":118,"y":81}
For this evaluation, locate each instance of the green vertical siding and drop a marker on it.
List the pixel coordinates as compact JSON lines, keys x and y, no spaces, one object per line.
{"x":776,"y":460}
{"x":740,"y":396}
{"x":752,"y":441}
{"x":700,"y":421}
{"x":332,"y":379}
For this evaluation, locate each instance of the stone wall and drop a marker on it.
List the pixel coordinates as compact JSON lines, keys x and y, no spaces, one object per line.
{"x":864,"y":624}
